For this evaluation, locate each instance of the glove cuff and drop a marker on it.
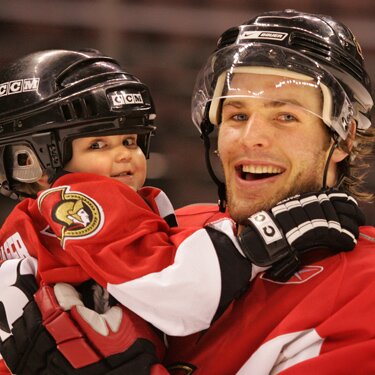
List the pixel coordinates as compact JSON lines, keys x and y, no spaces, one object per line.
{"x":262,"y":241}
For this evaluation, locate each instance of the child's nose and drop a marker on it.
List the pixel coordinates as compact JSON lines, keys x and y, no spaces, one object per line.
{"x":122,"y":154}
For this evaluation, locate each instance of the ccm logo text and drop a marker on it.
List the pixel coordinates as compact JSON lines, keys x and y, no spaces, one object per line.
{"x":18,"y":86}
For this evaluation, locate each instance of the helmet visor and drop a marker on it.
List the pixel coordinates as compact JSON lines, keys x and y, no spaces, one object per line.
{"x":274,"y":75}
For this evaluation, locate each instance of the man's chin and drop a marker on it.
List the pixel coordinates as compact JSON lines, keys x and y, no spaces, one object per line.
{"x":241,"y":213}
{"x":241,"y":210}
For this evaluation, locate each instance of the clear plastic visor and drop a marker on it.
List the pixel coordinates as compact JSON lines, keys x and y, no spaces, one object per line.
{"x":282,"y":78}
{"x":280,"y":89}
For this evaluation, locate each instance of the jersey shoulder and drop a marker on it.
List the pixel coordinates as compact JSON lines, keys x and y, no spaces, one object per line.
{"x":199,"y":214}
{"x":365,"y":248}
{"x":367,"y":233}
{"x":359,"y":264}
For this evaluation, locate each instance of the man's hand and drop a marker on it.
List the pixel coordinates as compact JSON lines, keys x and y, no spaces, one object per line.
{"x":58,"y":335}
{"x":326,"y":220}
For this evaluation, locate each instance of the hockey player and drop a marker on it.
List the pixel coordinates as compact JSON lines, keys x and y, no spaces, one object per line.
{"x":290,"y":97}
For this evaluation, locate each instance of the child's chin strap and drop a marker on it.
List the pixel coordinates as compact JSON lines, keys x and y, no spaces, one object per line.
{"x":54,"y":173}
{"x":13,"y":193}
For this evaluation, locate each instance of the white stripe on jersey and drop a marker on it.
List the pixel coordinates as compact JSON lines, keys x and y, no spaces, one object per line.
{"x":174,"y":300}
{"x":283,"y":352}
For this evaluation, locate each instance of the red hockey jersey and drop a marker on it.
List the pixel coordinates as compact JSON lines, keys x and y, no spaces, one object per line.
{"x":92,"y":227}
{"x":321,"y":321}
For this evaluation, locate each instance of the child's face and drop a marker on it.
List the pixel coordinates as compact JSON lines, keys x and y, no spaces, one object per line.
{"x":115,"y":156}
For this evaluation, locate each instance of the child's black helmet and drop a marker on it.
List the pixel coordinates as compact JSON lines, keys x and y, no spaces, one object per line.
{"x":49,"y":98}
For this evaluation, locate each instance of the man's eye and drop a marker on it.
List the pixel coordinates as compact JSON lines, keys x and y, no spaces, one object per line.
{"x":97,"y":145}
{"x":240,"y":117}
{"x":287,"y":117}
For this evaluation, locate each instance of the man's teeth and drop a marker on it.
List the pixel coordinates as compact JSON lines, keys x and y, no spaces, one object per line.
{"x":260,"y":169}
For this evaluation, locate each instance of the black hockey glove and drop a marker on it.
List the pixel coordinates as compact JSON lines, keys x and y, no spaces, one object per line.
{"x":48,"y":339}
{"x":329,"y":219}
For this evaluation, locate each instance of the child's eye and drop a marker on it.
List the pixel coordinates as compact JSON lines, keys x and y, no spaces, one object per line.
{"x":129,"y":141}
{"x":97,"y":145}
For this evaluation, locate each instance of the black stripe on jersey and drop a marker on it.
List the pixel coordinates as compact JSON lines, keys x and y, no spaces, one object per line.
{"x":235,"y":269}
{"x":171,"y":220}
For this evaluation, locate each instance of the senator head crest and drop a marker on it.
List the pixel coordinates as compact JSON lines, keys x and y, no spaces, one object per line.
{"x":72,"y":214}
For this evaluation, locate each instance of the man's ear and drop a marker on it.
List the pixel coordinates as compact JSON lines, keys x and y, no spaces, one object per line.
{"x":344,"y":147}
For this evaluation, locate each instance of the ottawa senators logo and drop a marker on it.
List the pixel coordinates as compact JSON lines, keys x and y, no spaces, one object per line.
{"x":75,"y":215}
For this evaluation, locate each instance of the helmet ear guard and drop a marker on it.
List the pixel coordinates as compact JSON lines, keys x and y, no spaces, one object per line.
{"x":6,"y":180}
{"x":347,"y":144}
{"x":25,"y":165}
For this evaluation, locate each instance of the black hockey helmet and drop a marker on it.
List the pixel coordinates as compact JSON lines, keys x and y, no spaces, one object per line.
{"x":316,"y":46}
{"x":48,"y":98}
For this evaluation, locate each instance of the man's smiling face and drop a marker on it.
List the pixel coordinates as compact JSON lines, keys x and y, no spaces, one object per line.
{"x":271,"y":144}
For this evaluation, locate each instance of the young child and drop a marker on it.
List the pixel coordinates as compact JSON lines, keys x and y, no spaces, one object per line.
{"x":80,"y":147}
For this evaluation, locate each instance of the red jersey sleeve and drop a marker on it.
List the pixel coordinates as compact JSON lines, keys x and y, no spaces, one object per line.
{"x":3,"y":368}
{"x":107,"y":228}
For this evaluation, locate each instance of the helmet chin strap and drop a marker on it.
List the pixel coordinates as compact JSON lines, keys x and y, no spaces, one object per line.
{"x":325,"y":173}
{"x":13,"y":193}
{"x":54,"y":173}
{"x":221,"y":189}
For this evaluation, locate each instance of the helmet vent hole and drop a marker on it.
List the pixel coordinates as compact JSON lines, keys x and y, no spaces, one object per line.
{"x":229,"y":37}
{"x":317,"y":50}
{"x":310,"y":45}
{"x":78,"y":108}
{"x":90,"y":105}
{"x":67,"y":113}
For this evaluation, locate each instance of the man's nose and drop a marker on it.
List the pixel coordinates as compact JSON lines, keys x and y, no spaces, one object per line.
{"x":256,"y":131}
